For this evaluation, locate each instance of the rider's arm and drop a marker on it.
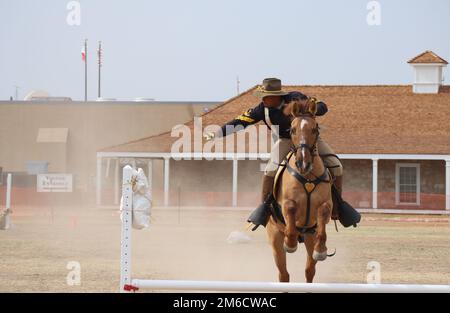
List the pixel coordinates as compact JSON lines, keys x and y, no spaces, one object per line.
{"x":321,"y":107}
{"x":249,"y":117}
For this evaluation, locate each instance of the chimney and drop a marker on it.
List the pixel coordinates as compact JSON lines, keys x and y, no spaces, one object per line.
{"x":427,"y":72}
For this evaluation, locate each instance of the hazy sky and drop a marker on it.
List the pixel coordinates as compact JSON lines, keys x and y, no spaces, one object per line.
{"x":194,"y":49}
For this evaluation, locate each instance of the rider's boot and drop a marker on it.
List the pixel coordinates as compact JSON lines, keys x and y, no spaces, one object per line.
{"x":337,"y":197}
{"x":348,"y":216}
{"x":338,"y":184}
{"x":260,"y":216}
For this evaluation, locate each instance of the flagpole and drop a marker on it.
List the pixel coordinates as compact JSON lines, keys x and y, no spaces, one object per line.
{"x":85,"y":70}
{"x":99,"y":53}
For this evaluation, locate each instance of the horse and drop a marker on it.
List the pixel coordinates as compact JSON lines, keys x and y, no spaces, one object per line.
{"x":304,"y":195}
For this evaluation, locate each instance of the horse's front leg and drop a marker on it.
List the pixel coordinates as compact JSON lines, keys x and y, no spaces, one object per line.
{"x":279,"y":255}
{"x":291,"y":233}
{"x":310,"y":269}
{"x":323,"y":217}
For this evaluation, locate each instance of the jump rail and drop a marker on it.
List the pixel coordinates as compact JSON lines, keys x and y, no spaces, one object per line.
{"x":127,"y":284}
{"x":283,"y":287}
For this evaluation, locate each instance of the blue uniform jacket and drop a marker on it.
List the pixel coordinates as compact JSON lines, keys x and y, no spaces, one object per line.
{"x":277,"y":117}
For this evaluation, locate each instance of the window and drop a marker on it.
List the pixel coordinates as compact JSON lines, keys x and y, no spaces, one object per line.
{"x":407,"y":183}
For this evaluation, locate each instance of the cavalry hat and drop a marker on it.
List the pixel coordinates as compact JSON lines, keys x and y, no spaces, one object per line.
{"x":270,"y":87}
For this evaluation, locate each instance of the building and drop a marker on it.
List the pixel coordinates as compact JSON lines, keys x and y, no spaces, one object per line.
{"x":394,"y":141}
{"x":56,"y":135}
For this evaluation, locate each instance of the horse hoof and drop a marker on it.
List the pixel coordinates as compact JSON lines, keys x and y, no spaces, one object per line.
{"x":319,"y":256}
{"x":289,"y":249}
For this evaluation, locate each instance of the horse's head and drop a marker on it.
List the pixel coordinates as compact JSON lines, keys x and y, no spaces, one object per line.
{"x":304,"y":133}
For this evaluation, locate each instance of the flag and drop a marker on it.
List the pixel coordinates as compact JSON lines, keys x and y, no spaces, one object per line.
{"x":83,"y":54}
{"x":99,"y":53}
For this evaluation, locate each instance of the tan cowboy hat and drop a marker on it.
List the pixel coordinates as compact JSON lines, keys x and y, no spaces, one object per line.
{"x":270,"y":87}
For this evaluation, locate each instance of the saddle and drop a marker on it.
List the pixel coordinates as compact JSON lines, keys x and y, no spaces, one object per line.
{"x":341,"y":211}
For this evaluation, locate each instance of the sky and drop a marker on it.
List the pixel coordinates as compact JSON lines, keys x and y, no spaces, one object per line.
{"x":193,"y":50}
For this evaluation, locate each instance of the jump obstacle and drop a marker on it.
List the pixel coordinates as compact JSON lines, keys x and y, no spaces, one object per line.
{"x":129,"y":284}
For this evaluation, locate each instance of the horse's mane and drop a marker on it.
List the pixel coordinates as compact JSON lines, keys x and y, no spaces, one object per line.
{"x":299,"y":109}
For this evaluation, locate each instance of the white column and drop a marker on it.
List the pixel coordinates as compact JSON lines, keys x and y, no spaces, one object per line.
{"x":235,"y":182}
{"x":374,"y":183}
{"x":125,"y":239}
{"x":150,"y":173}
{"x":99,"y":181}
{"x":447,"y":184}
{"x":108,"y":165}
{"x":8,"y":191}
{"x":116,"y":182}
{"x":150,"y":177}
{"x":166,"y":181}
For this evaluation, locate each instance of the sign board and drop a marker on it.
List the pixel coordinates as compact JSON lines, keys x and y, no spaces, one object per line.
{"x":54,"y":183}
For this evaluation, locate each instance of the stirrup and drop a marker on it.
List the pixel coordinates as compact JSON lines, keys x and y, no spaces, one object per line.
{"x":260,"y":216}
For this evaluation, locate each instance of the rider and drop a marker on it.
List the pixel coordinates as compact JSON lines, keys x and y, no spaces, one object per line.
{"x":271,"y":111}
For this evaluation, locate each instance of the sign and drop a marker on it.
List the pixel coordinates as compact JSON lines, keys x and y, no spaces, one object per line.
{"x":54,"y":183}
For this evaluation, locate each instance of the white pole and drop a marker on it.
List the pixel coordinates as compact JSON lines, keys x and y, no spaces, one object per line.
{"x":235,"y":182}
{"x":447,"y":184}
{"x":125,"y":240}
{"x":4,"y":220}
{"x":116,"y":182}
{"x":99,"y":180}
{"x":374,"y":183}
{"x":8,"y":191}
{"x":284,"y":287}
{"x":166,"y":181}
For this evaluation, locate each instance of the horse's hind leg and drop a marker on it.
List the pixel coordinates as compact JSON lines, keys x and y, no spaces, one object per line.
{"x":323,"y":217}
{"x":310,"y":268}
{"x":276,"y":240}
{"x":291,"y":233}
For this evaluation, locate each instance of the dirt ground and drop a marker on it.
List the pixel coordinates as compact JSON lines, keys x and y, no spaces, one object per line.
{"x":191,"y":244}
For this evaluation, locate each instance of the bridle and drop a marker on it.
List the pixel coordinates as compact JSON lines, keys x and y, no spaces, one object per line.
{"x":303,"y":145}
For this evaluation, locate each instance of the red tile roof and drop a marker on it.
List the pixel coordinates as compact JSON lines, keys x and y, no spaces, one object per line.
{"x":361,"y":119}
{"x":427,"y":57}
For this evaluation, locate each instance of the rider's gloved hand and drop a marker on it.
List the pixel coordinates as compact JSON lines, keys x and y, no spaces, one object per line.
{"x":209,"y":136}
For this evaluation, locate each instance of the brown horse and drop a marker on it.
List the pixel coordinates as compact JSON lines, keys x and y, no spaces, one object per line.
{"x":304,"y":182}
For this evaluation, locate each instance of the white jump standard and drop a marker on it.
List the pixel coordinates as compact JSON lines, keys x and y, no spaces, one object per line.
{"x":128,"y":284}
